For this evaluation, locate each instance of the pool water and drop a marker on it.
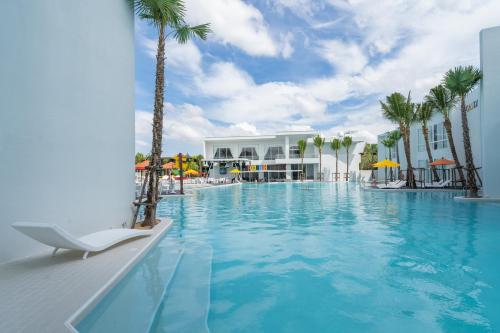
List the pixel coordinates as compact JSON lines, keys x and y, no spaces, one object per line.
{"x":314,"y":257}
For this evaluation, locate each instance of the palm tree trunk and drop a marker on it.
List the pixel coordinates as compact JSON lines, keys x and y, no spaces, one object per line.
{"x":447,"y":126}
{"x":302,"y":176}
{"x":469,"y":158}
{"x":347,"y":158}
{"x":152,"y":198}
{"x":390,"y":169}
{"x":336,"y":165}
{"x":425,"y":132}
{"x":397,"y":159}
{"x":320,"y":165}
{"x":410,"y":178}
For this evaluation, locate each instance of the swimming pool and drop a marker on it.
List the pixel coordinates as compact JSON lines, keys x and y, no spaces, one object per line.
{"x":313,"y":257}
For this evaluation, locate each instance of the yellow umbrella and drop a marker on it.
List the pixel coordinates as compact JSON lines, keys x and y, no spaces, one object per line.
{"x":386,"y":164}
{"x":192,"y":172}
{"x":235,"y":171}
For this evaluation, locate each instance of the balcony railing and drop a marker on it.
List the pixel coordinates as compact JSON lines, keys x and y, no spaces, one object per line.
{"x":309,"y":155}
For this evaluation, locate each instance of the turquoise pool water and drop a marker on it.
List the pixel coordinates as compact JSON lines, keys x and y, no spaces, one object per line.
{"x":313,"y":258}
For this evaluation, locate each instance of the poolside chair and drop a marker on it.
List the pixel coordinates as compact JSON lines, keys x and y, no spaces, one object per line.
{"x":440,"y":184}
{"x":53,"y":235}
{"x":392,"y":185}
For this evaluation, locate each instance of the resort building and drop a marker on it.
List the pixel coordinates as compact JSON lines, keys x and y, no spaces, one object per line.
{"x":275,"y":157}
{"x":484,"y":121}
{"x":67,"y":118}
{"x":438,"y":141}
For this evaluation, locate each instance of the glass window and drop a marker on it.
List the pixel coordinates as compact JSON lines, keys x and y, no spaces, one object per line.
{"x":249,"y":153}
{"x":421,"y":140}
{"x":294,"y":152}
{"x":437,"y":137}
{"x":221,"y":153}
{"x":274,"y":153}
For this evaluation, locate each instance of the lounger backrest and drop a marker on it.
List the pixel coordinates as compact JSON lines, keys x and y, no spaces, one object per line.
{"x":49,"y":234}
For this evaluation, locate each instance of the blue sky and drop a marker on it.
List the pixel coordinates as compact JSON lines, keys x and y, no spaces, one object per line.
{"x":273,"y":65}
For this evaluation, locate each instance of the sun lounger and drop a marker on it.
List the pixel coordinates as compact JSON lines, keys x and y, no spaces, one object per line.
{"x":53,"y":235}
{"x":441,"y":184}
{"x":392,"y":185}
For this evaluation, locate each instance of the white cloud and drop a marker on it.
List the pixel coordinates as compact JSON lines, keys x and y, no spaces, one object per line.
{"x":234,"y":22}
{"x":224,"y":79}
{"x":347,"y":58}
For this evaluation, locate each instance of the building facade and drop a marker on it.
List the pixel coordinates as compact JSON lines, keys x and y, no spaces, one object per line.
{"x":276,"y":157}
{"x":483,"y":114}
{"x":438,"y":141}
{"x":67,"y":117}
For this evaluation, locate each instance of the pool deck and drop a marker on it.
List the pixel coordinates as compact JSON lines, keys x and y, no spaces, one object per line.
{"x":41,"y":293}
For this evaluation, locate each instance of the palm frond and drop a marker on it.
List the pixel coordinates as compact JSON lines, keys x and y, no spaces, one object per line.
{"x":461,"y":80}
{"x":183,"y":33}
{"x":347,"y":141}
{"x":335,"y":144}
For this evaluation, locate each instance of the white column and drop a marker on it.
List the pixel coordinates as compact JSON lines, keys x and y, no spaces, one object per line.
{"x":490,"y":113}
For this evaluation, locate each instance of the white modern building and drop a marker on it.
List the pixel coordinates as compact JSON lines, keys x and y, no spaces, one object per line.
{"x":483,"y":112}
{"x":438,"y":141}
{"x":66,"y":117}
{"x":275,"y":157}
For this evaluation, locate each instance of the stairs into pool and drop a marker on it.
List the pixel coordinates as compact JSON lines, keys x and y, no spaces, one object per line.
{"x":185,"y":301}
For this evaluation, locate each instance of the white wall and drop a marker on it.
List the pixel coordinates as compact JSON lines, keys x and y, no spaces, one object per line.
{"x":66,"y":117}
{"x":490,"y":109}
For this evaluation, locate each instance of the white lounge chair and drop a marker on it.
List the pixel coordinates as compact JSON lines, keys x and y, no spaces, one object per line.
{"x":393,"y":185}
{"x":53,"y":235}
{"x":441,"y":184}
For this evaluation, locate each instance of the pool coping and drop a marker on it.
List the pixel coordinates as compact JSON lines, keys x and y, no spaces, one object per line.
{"x":89,"y":305}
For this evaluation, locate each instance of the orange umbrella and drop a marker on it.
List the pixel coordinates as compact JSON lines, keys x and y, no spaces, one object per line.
{"x":168,"y":166}
{"x":442,"y":161}
{"x":142,"y":165}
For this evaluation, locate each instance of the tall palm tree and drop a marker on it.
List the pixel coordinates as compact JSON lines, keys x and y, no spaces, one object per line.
{"x":396,"y":136}
{"x":389,"y":143}
{"x":319,"y":142}
{"x":347,"y":142}
{"x":443,"y":100}
{"x":424,"y":114}
{"x":401,"y":110}
{"x":461,"y":81}
{"x":302,"y":145}
{"x":335,"y":145}
{"x":167,"y":16}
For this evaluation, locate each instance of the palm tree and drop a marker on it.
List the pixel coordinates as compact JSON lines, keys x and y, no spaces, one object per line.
{"x":396,"y":136}
{"x":443,"y":101}
{"x":401,"y":111}
{"x":388,"y":143}
{"x":319,"y":142}
{"x":335,"y":145}
{"x":302,"y":145}
{"x":167,"y":16}
{"x":461,"y":81}
{"x":347,"y":142}
{"x":424,"y":114}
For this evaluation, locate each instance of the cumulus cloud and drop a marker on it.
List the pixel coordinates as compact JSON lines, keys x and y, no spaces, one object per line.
{"x":235,"y":22}
{"x":347,"y":58}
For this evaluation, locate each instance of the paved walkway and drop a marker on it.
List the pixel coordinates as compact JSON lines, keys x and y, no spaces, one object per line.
{"x":40,"y":293}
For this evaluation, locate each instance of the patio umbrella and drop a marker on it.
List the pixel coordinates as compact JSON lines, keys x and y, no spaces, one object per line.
{"x":443,"y":161}
{"x":386,"y":164}
{"x":168,"y":166}
{"x":192,"y":172}
{"x":142,"y":165}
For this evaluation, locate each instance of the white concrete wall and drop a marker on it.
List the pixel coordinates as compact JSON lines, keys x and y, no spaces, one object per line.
{"x":66,"y":117}
{"x":490,"y":109}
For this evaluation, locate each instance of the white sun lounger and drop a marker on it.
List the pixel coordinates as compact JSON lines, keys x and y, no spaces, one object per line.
{"x":441,"y":184}
{"x":53,"y":235}
{"x":393,"y":185}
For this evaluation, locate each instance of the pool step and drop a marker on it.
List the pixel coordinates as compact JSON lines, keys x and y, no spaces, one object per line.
{"x":128,"y":306}
{"x":185,"y":305}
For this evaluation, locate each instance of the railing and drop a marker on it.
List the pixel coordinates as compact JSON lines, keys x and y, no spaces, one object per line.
{"x":309,"y":155}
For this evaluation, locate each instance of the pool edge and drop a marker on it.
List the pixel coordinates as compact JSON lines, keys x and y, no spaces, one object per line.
{"x":87,"y":307}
